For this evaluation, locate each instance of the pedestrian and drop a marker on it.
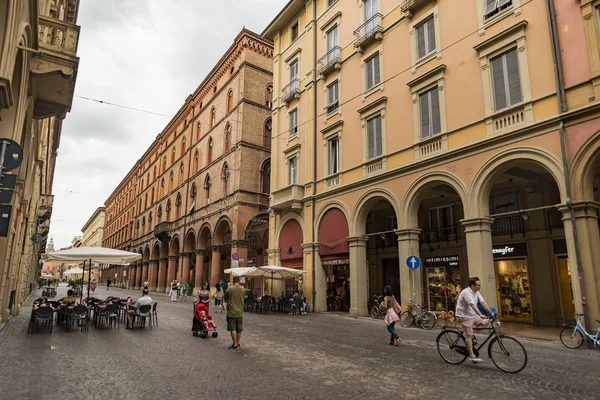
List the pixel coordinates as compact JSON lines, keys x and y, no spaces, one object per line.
{"x":93,"y":286}
{"x":468,"y":314}
{"x":178,"y":288}
{"x":107,"y":284}
{"x":219,"y":298}
{"x":391,"y":316}
{"x":184,"y":291}
{"x":234,"y":296}
{"x":142,"y":301}
{"x":224,"y":285}
{"x":146,"y":284}
{"x":173,"y":291}
{"x":204,"y":295}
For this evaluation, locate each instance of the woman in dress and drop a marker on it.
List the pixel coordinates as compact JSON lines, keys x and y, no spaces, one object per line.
{"x":204,"y":295}
{"x":391,"y":316}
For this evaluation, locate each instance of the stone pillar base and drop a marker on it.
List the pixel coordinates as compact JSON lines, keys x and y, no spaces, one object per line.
{"x":160,"y":289}
{"x":152,"y":289}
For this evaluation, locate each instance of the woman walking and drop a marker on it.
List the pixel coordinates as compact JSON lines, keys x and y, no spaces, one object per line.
{"x":219,"y":298}
{"x":391,"y":316}
{"x":204,"y":295}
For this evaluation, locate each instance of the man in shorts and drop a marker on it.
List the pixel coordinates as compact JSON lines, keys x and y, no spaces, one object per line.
{"x":468,"y":314}
{"x":234,"y":296}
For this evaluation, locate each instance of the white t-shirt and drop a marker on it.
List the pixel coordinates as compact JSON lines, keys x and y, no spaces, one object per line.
{"x":463,"y":305}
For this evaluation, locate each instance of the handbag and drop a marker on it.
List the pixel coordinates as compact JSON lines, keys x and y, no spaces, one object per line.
{"x":397,"y":307}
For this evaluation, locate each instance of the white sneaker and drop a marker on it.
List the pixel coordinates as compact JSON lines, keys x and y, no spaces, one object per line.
{"x":475,"y":359}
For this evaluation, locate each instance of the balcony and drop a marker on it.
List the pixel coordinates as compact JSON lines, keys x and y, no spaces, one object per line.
{"x":291,"y":91}
{"x":45,"y":206}
{"x":54,"y":68}
{"x":369,"y":32}
{"x":508,"y":226}
{"x":410,"y":7}
{"x":330,"y":61}
{"x":288,"y":198}
{"x":438,"y":235}
{"x":163,"y":230}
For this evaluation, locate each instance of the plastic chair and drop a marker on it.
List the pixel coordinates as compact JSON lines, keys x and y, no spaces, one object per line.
{"x":79,"y":314}
{"x":153,"y":314}
{"x":44,"y":315}
{"x":111,"y":315}
{"x":144,"y":313}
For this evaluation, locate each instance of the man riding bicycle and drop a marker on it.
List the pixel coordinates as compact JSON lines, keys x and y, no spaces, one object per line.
{"x":468,"y":314}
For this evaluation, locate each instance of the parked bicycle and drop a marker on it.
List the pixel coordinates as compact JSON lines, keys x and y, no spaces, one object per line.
{"x":506,"y":352}
{"x":376,"y":310}
{"x":573,"y":337}
{"x":426,"y":319}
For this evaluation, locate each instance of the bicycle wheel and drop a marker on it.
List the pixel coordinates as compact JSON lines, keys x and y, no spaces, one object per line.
{"x":407,"y":319}
{"x":571,"y":337}
{"x":508,"y":354}
{"x":428,"y":320}
{"x":374,"y":312}
{"x":446,"y":342}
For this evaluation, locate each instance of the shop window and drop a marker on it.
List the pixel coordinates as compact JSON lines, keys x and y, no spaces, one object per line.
{"x":512,"y":280}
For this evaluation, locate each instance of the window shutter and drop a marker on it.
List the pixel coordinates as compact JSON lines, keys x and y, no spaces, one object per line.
{"x":498,"y":83}
{"x":502,"y":3}
{"x":335,"y":92}
{"x":371,"y":137}
{"x":435,"y":112}
{"x":369,"y":73}
{"x":490,"y":7}
{"x":424,"y":105}
{"x":378,"y":142}
{"x":430,"y":35}
{"x":421,"y":41}
{"x":514,"y":79}
{"x":330,"y":95}
{"x":377,"y":77}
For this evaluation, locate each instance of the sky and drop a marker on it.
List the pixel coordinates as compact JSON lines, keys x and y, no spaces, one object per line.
{"x":143,"y":54}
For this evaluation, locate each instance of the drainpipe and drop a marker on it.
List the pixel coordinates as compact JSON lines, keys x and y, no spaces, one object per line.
{"x":562,"y":108}
{"x":314,"y":143}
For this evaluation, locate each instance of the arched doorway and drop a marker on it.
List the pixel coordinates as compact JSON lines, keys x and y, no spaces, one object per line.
{"x":221,"y":251}
{"x":257,"y":236}
{"x":154,"y":266}
{"x":203,"y":258}
{"x":189,"y":259}
{"x":335,"y":260}
{"x":161,"y":286}
{"x":291,"y":254}
{"x":173,"y":265}
{"x":145,"y":267}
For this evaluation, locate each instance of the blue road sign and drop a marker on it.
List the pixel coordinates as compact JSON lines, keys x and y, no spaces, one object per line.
{"x":235,"y":256}
{"x":413,"y":262}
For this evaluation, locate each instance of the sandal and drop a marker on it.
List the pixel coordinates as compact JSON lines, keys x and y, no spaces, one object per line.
{"x":398,"y":341}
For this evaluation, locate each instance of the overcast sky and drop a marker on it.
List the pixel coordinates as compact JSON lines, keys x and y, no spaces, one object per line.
{"x":146,"y":54}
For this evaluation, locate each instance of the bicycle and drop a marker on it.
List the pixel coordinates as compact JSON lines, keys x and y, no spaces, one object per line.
{"x":503,"y":350}
{"x":577,"y":337}
{"x":376,"y":310}
{"x":426,"y":319}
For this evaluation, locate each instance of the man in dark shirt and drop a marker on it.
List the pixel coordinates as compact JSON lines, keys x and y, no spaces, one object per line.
{"x":234,"y":296}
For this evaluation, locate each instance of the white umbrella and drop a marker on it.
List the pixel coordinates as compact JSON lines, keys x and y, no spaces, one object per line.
{"x":241,"y":271}
{"x":274,"y":272}
{"x":73,"y":271}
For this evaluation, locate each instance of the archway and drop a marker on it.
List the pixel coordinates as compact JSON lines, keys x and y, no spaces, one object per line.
{"x":154,"y":267}
{"x":173,"y":264}
{"x":291,"y":238}
{"x":334,"y":254}
{"x":256,"y":235}
{"x":161,"y":285}
{"x":221,"y":251}
{"x":189,"y":259}
{"x":145,"y":267}
{"x":203,"y":260}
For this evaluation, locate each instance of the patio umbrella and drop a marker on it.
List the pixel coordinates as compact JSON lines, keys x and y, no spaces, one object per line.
{"x":274,"y":272}
{"x":101,"y":255}
{"x":242,"y":271}
{"x":73,"y":271}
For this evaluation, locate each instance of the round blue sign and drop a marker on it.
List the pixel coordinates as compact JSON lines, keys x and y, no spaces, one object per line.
{"x":235,"y":256}
{"x":413,"y":262}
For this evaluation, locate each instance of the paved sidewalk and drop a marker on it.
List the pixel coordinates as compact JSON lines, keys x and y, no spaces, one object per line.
{"x":322,"y":356}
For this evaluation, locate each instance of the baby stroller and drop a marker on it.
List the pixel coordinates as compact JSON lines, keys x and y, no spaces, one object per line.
{"x":203,"y":322}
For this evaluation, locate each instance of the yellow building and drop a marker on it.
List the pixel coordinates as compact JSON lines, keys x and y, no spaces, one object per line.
{"x":38,"y":69}
{"x":398,"y":132}
{"x":93,"y":234}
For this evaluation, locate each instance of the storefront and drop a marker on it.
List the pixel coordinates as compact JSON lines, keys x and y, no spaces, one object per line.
{"x":512,"y":282}
{"x":442,"y":277}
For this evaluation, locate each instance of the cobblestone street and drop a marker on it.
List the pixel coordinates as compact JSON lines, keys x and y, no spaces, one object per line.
{"x":321,"y":356}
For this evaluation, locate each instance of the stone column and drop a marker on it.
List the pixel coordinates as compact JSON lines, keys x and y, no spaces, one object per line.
{"x":200,"y":257}
{"x":162,"y":275}
{"x":319,"y":302}
{"x":408,"y":245}
{"x":186,"y":267}
{"x":171,"y":271}
{"x":153,"y":277}
{"x":215,"y":268}
{"x":358,"y":276}
{"x":478,"y":234}
{"x":145,"y":273}
{"x":588,"y":237}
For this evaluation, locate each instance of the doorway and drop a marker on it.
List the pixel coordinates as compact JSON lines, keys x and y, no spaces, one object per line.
{"x":391,"y":276}
{"x":567,"y":304}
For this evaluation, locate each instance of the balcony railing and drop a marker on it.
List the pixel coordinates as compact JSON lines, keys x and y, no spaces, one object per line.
{"x":368,"y":32}
{"x":163,"y":230}
{"x":444,"y":234}
{"x":58,"y":36}
{"x":554,"y":220}
{"x":508,"y":226}
{"x":291,"y":91}
{"x":330,"y":61}
{"x":288,"y":198}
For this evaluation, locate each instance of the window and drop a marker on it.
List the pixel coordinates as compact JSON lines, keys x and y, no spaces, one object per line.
{"x":294,"y":32}
{"x":225,"y":179}
{"x":374,"y":137}
{"x":181,"y":172}
{"x":168,"y":210}
{"x":164,"y":169}
{"x":193,"y":191}
{"x":373,"y":73}
{"x":198,"y":131}
{"x":207,"y":189}
{"x":506,"y":80}
{"x":333,"y":155}
{"x":213,"y":116}
{"x":425,"y":38}
{"x":171,"y":177}
{"x":178,"y":206}
{"x":493,"y":7}
{"x":154,"y":174}
{"x":331,"y":2}
{"x":229,"y":101}
{"x":152,"y":197}
{"x":215,"y":89}
{"x":196,"y":160}
{"x":293,"y":170}
{"x":209,"y":152}
{"x":183,"y":146}
{"x":266,"y":177}
{"x":293,"y":123}
{"x":227,"y":136}
{"x":267,"y":133}
{"x":332,"y":41}
{"x":371,"y":8}
{"x":269,"y":96}
{"x":429,"y":108}
{"x":333,"y":97}
{"x":294,"y":75}
{"x":173,"y":156}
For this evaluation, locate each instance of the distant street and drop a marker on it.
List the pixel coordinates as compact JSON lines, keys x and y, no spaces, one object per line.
{"x":322,"y":356}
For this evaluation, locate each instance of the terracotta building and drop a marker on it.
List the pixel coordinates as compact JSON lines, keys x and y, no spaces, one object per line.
{"x":38,"y":70}
{"x":199,"y":194}
{"x":398,"y":132}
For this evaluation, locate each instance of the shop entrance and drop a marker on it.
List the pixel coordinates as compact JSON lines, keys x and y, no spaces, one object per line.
{"x":512,"y":283}
{"x":442,"y":277}
{"x":567,"y":304}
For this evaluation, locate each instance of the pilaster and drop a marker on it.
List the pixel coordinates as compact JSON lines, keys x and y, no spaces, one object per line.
{"x":358,"y":276}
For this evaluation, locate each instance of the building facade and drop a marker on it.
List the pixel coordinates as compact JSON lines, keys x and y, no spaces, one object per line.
{"x":199,"y":194}
{"x":398,"y":132}
{"x":38,"y":69}
{"x":93,"y":233}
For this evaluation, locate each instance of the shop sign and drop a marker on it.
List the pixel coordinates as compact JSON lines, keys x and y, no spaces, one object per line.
{"x":504,"y":203}
{"x":509,"y":250}
{"x":336,"y":262}
{"x":450,"y":261}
